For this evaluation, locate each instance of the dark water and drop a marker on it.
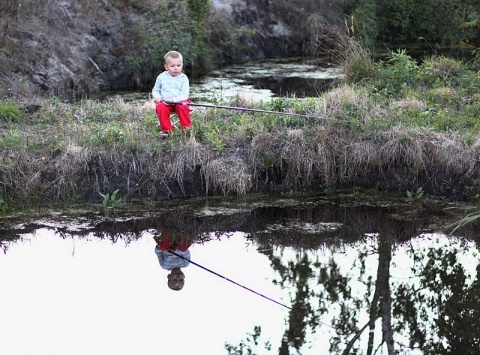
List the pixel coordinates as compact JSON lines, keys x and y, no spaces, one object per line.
{"x":255,"y":81}
{"x":266,"y":80}
{"x":290,"y":275}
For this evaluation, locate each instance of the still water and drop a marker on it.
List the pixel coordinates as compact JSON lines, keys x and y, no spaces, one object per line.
{"x":265,"y":80}
{"x":289,"y":275}
{"x":254,"y":82}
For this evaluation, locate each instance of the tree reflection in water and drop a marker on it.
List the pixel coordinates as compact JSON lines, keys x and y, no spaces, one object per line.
{"x":432,"y":309}
{"x":360,"y":277}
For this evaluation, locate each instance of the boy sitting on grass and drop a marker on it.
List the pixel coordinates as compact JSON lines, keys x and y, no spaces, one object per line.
{"x":171,"y":94}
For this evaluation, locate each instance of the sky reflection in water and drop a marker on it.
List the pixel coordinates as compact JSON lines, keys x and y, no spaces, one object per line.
{"x":254,"y":82}
{"x":92,"y":296}
{"x":265,"y":81}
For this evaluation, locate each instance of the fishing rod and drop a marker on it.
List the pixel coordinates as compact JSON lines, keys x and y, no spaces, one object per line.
{"x":243,"y":109}
{"x":236,"y":283}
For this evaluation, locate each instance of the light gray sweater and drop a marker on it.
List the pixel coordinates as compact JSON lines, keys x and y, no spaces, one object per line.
{"x":171,"y":88}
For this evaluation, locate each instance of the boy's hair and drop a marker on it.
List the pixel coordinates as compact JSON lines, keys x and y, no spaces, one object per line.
{"x":173,"y":55}
{"x":174,"y":286}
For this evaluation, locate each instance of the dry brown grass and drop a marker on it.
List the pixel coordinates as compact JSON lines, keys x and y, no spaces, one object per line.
{"x":337,"y":103}
{"x":402,"y":148}
{"x":444,"y":94}
{"x":239,"y":100}
{"x":25,"y":176}
{"x":441,"y":157}
{"x":72,"y":162}
{"x":299,"y":158}
{"x":324,"y":159}
{"x":190,"y":155}
{"x":355,"y":60}
{"x":294,"y":156}
{"x":333,"y":101}
{"x":443,"y":65}
{"x":263,"y":152}
{"x":475,"y":98}
{"x":448,"y":156}
{"x":359,"y":159}
{"x":409,"y":104}
{"x":227,"y":174}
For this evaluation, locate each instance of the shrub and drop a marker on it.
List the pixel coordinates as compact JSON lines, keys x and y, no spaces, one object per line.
{"x":147,"y":42}
{"x":398,"y":75}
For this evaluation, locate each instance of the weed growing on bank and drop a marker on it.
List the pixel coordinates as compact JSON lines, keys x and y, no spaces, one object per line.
{"x":409,"y":125}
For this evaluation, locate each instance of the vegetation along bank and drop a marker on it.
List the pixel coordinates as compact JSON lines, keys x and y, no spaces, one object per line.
{"x":407,"y":127}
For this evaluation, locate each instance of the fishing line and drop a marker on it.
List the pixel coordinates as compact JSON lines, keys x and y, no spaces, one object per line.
{"x":242,"y":286}
{"x":246,"y":109}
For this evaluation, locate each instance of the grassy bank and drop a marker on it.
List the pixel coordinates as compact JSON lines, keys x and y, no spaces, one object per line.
{"x":406,"y":126}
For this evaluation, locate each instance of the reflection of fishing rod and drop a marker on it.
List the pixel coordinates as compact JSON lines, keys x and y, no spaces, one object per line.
{"x":243,"y":109}
{"x":236,"y":283}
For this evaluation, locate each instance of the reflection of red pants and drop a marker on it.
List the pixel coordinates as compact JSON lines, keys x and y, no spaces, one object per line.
{"x":181,"y":243}
{"x":164,"y":110}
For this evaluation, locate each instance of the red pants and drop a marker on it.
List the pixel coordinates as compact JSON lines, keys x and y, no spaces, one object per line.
{"x":169,"y":242}
{"x":164,"y":111}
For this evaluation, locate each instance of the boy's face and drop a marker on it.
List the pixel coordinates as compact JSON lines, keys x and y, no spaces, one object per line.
{"x":174,"y":66}
{"x":176,"y":279}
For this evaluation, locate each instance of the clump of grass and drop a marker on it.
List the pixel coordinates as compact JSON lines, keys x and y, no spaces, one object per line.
{"x":11,"y":112}
{"x":240,"y":100}
{"x":355,"y":60}
{"x":407,"y":104}
{"x":475,"y":98}
{"x":21,"y":176}
{"x":350,"y":106}
{"x":443,"y":66}
{"x":443,"y":95}
{"x":263,"y":151}
{"x":447,"y":155}
{"x":73,"y":162}
{"x":358,"y":64}
{"x":12,"y":139}
{"x":298,"y":158}
{"x":347,"y":52}
{"x":189,"y":156}
{"x":359,"y":158}
{"x":402,"y":147}
{"x":227,"y":174}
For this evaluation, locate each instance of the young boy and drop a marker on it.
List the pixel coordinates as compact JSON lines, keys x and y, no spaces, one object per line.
{"x":172,"y":262}
{"x":172,"y":86}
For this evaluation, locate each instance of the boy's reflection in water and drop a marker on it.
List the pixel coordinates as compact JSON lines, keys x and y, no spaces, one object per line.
{"x":169,"y":261}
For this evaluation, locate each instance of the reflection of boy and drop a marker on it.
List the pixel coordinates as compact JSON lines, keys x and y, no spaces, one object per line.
{"x":172,"y":262}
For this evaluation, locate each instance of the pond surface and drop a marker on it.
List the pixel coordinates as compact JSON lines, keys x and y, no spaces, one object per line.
{"x":291,"y":275}
{"x":265,"y":80}
{"x":255,"y":82}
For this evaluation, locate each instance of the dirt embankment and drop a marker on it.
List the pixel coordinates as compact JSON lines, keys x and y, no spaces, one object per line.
{"x":59,"y":48}
{"x":68,"y":48}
